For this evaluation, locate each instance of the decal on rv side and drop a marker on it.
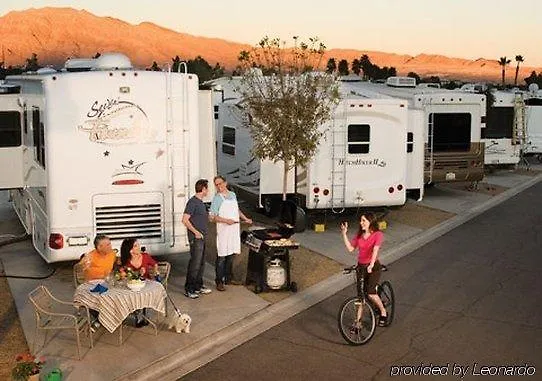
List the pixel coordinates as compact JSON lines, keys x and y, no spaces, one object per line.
{"x":376,"y":162}
{"x":115,"y":121}
{"x":128,"y":174}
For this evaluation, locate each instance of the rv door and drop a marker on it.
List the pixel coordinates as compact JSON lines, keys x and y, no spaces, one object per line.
{"x":11,"y":142}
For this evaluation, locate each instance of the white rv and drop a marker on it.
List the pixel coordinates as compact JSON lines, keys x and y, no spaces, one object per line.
{"x":363,"y":159}
{"x":533,"y":121}
{"x":452,"y":124}
{"x":500,"y":137}
{"x":105,"y":149}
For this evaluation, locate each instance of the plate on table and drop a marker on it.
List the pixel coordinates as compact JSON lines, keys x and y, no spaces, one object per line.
{"x":96,"y":281}
{"x":135,"y":285}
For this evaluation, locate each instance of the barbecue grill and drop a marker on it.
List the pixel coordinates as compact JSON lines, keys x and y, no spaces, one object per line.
{"x":269,"y":258}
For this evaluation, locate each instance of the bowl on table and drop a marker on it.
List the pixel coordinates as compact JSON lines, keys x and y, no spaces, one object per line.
{"x":135,"y":284}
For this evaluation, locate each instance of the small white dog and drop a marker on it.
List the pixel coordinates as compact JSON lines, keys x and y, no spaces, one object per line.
{"x":181,"y":322}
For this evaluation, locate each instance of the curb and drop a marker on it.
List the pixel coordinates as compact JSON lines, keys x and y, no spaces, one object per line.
{"x":186,"y":360}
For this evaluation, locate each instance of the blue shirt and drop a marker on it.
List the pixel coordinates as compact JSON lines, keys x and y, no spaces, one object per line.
{"x":216,"y":203}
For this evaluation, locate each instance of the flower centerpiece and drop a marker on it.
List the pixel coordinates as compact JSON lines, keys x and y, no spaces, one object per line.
{"x":126,"y":273}
{"x":26,"y":366}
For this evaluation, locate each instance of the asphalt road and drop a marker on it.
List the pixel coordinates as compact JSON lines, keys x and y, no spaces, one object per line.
{"x":467,"y":302}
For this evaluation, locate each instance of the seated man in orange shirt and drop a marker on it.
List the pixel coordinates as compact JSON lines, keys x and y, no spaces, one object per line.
{"x":98,"y":263}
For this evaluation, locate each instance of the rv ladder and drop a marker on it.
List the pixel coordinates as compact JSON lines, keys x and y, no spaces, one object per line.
{"x":519,"y":135}
{"x":519,"y":132}
{"x":338,"y":156}
{"x":428,"y":156}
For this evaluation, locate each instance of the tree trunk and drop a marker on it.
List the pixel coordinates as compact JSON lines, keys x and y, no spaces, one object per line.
{"x":285,"y":181}
{"x":503,"y":76}
{"x":516,"y":77}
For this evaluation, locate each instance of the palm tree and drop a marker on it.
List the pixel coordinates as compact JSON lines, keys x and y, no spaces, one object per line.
{"x":503,"y":61}
{"x":519,"y":59}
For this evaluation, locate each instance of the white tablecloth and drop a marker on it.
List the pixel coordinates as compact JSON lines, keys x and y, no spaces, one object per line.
{"x":118,"y":301}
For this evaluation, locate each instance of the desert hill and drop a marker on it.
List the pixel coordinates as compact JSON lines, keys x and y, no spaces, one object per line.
{"x":56,"y":34}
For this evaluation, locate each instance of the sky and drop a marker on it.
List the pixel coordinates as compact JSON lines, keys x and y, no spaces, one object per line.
{"x":456,"y":28}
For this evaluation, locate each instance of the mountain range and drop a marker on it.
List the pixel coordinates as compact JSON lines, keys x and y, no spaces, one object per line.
{"x":56,"y":34}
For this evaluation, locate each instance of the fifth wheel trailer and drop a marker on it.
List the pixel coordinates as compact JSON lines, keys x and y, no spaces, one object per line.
{"x":102,"y":148}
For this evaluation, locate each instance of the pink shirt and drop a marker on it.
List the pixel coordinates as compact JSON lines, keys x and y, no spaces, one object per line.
{"x":366,"y":246}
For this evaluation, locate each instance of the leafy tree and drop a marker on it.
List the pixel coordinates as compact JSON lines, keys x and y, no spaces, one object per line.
{"x":356,"y":66}
{"x":331,"y":66}
{"x":519,"y":59}
{"x":366,"y":66}
{"x":10,"y":70}
{"x":287,"y":108}
{"x":176,"y":63}
{"x":411,"y":74}
{"x":431,"y":79}
{"x":218,"y":71}
{"x":343,"y":67}
{"x":32,"y":63}
{"x":154,"y":67}
{"x":503,"y":61}
{"x":534,"y":78}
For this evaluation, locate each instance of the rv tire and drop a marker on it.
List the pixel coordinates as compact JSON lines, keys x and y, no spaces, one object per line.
{"x":270,"y":206}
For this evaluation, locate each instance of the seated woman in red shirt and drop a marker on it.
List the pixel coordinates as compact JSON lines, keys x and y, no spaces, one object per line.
{"x":368,"y":241}
{"x":132,"y":257}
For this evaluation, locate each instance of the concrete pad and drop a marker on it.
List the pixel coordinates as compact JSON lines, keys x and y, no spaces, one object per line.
{"x":210,"y":313}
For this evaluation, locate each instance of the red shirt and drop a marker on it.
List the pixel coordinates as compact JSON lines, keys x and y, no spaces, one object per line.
{"x":366,"y":246}
{"x":146,"y":261}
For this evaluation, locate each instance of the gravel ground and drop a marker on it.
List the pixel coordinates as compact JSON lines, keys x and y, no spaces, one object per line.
{"x":12,"y":339}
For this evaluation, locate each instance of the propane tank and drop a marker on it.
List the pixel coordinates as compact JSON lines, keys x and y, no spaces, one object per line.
{"x":276,"y":274}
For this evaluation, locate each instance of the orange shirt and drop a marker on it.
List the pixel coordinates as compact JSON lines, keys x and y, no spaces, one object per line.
{"x":98,"y":265}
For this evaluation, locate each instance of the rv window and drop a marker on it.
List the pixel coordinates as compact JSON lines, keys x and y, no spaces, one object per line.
{"x":10,"y":128}
{"x":451,"y":131}
{"x":358,"y":138}
{"x":533,"y":102}
{"x":25,"y":121}
{"x":499,"y":123}
{"x":410,"y":142}
{"x":228,"y":140}
{"x":39,"y":137}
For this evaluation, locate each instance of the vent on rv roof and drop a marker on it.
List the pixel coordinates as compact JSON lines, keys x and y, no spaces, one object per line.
{"x":401,"y":82}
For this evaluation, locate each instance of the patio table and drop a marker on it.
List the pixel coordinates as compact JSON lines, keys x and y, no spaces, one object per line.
{"x":119,"y":301}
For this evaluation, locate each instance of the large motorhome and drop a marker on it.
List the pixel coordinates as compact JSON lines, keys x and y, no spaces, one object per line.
{"x":100,"y":148}
{"x":533,"y":122}
{"x":501,"y":135}
{"x":452,"y":121}
{"x":367,"y":156}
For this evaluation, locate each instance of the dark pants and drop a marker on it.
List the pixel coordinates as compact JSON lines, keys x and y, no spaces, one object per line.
{"x":370,"y":279}
{"x":223,"y":268}
{"x":196,"y":265}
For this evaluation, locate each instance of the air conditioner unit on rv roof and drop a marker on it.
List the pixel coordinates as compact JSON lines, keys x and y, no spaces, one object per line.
{"x":107,"y":61}
{"x":401,"y":82}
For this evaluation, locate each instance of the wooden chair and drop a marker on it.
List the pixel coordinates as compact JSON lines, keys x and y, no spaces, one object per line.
{"x":52,"y":313}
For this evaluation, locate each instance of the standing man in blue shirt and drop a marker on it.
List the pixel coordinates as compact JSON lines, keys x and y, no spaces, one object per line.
{"x":196,"y":218}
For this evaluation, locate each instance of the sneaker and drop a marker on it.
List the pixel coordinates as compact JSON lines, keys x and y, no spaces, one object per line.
{"x":203,"y":290}
{"x":191,"y":295}
{"x":220,"y":287}
{"x":94,"y":325}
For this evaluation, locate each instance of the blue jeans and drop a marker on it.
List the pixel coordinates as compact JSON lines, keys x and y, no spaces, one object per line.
{"x":223,"y":268}
{"x":196,"y":265}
